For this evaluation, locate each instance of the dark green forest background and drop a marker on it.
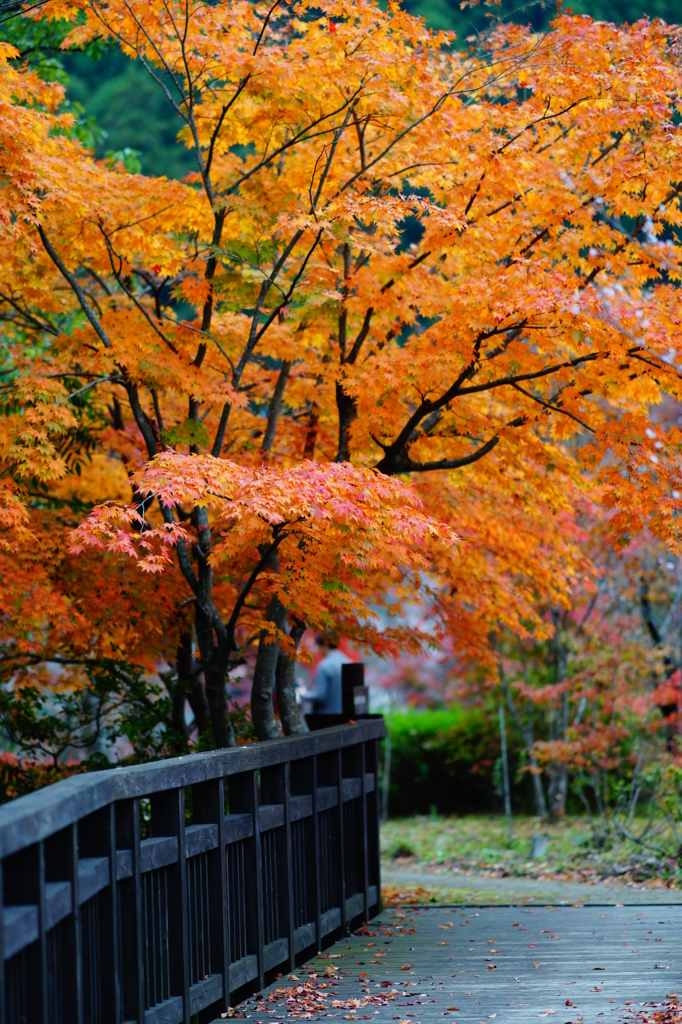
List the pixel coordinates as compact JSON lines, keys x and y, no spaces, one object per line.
{"x":124,"y":112}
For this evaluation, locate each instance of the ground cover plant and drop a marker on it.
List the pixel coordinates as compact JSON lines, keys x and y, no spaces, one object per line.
{"x":478,"y":845}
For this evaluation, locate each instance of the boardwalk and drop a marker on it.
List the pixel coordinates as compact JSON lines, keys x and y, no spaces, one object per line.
{"x":481,"y":964}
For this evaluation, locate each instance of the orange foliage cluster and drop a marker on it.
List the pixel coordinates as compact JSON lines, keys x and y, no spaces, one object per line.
{"x":267,"y":392}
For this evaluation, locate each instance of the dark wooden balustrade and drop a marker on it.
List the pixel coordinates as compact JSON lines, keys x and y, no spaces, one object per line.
{"x":164,"y":892}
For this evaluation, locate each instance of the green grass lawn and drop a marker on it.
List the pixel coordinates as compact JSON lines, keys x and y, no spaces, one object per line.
{"x":478,"y":843}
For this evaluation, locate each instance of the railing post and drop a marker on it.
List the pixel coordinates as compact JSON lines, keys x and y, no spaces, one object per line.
{"x":274,"y":789}
{"x":340,"y":859}
{"x":314,"y":882}
{"x":243,"y":795}
{"x":42,"y":915}
{"x":288,"y":858}
{"x":131,"y":912}
{"x":365,"y":850}
{"x":373,"y":816}
{"x":208,"y":807}
{"x":305,"y":852}
{"x":60,"y":854}
{"x":97,"y":838}
{"x":168,"y":819}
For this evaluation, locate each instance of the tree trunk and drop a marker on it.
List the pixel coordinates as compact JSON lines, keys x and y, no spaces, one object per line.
{"x":275,"y":408}
{"x":538,"y":791}
{"x":311,"y":433}
{"x":216,"y":694}
{"x":264,"y":721}
{"x":189,"y":676}
{"x":557,"y":791}
{"x":214,"y":664}
{"x":178,"y":722}
{"x":347,"y":408}
{"x":527,"y":733}
{"x":289,"y":712}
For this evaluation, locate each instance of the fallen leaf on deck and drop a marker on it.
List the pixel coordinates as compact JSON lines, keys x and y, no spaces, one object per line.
{"x":406,"y":967}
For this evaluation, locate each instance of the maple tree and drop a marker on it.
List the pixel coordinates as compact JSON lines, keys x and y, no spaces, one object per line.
{"x":228,"y":381}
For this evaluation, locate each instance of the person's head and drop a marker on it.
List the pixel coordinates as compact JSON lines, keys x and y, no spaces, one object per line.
{"x":326,"y":642}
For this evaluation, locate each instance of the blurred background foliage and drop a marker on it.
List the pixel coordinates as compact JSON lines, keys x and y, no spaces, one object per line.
{"x":448,"y":14}
{"x":123,"y":114}
{"x":447,"y":761}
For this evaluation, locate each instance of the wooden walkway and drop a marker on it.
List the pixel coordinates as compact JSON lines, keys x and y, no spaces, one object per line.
{"x":474,"y":965}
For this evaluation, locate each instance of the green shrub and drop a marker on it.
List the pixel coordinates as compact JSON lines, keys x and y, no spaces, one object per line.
{"x":449,"y":762}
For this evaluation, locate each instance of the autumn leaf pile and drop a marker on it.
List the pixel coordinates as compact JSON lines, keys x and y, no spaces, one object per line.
{"x":254,"y":387}
{"x":304,"y":999}
{"x":667,"y":1012}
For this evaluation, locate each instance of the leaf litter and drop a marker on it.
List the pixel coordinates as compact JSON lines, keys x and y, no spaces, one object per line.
{"x":306,"y":999}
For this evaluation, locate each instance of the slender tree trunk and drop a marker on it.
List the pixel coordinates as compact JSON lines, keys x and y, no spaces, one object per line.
{"x":262,"y":710}
{"x":557,"y":791}
{"x":538,"y":791}
{"x":214,"y":664}
{"x":289,"y":711}
{"x":527,"y":733}
{"x":669,"y":665}
{"x":189,"y":676}
{"x":178,"y":722}
{"x":275,"y":408}
{"x":505,"y":774}
{"x":311,"y":433}
{"x":216,"y":694}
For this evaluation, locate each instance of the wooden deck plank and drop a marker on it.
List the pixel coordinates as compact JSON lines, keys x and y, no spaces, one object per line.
{"x":501,"y":964}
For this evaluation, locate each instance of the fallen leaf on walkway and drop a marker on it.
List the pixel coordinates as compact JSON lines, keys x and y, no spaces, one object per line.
{"x":536,"y":964}
{"x":668,"y":1012}
{"x":406,"y":967}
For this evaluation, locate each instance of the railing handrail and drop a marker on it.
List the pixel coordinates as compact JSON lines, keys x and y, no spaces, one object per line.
{"x":33,"y":818}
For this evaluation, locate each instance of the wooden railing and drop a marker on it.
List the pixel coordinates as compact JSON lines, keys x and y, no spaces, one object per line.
{"x":164,"y":892}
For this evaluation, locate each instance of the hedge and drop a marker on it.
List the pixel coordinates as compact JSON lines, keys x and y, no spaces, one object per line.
{"x":449,"y":762}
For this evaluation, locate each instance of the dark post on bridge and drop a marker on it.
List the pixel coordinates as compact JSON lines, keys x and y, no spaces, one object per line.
{"x":165,"y":892}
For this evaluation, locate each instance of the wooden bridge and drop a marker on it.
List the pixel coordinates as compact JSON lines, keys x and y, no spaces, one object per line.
{"x":246,"y":882}
{"x":477,"y":965}
{"x":164,"y":892}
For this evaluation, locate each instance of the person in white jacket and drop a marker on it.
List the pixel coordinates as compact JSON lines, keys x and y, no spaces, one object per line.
{"x":326,"y":692}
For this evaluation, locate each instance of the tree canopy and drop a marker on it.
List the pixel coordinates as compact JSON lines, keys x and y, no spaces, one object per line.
{"x":253,"y":401}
